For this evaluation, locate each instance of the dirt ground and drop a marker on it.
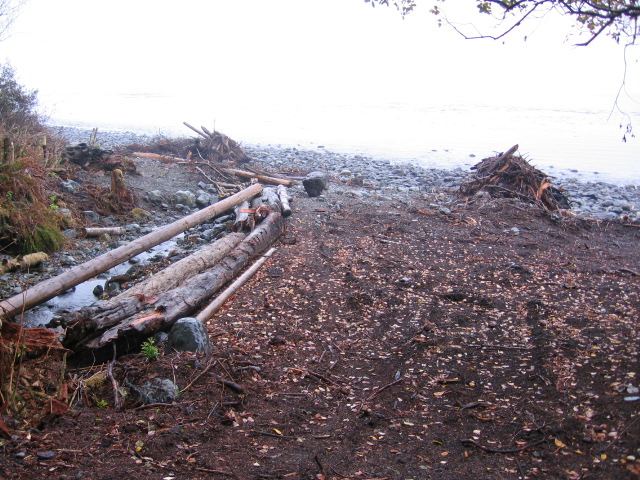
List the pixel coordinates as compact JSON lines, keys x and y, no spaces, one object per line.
{"x":387,"y":340}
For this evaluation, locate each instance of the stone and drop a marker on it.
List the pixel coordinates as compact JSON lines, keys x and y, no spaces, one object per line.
{"x":46,"y":455}
{"x":515,"y":230}
{"x":98,"y":290}
{"x":91,"y":216}
{"x":67,"y":260}
{"x":444,"y":210}
{"x":189,"y":334}
{"x":70,"y":233}
{"x":161,"y":338}
{"x":203,"y":199}
{"x":185,"y":197}
{"x":70,"y":186}
{"x":155,"y":197}
{"x":314,"y":183}
{"x":157,"y":390}
{"x":65,"y":213}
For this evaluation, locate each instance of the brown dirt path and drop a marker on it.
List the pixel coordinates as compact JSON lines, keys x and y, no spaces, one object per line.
{"x":392,"y":341}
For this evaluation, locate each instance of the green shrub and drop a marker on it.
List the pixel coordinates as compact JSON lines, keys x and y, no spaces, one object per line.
{"x":150,"y":350}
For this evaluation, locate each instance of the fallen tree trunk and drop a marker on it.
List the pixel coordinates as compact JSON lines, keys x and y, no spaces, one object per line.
{"x":175,"y":274}
{"x":181,"y":301}
{"x":52,"y":287}
{"x":214,"y":306}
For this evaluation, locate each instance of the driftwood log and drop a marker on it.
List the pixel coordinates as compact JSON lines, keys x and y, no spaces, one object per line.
{"x":245,"y":221}
{"x":52,"y":287}
{"x":284,"y":200}
{"x":140,"y":318}
{"x":98,"y":231}
{"x":177,"y":273}
{"x":215,"y":305}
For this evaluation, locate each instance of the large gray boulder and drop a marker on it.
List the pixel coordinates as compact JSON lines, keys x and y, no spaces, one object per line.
{"x":314,"y":183}
{"x":189,"y":335}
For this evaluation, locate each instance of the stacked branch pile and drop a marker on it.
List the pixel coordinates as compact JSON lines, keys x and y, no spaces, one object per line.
{"x":510,"y":175}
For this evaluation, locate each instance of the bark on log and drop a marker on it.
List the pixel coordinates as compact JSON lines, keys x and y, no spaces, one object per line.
{"x":177,"y":273}
{"x":97,"y":231}
{"x":284,"y":200}
{"x":262,"y":178}
{"x":245,"y":221}
{"x":214,"y":306}
{"x":180,"y":302}
{"x":43,"y":291}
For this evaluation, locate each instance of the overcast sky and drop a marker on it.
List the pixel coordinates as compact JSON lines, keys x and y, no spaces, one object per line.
{"x":336,"y":72}
{"x":303,"y":50}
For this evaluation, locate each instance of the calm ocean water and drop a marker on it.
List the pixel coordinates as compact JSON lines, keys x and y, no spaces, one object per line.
{"x":557,"y":141}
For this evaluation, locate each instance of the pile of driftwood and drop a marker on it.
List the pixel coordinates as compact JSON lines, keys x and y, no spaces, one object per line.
{"x":510,"y":175}
{"x":180,"y":290}
{"x":213,"y":155}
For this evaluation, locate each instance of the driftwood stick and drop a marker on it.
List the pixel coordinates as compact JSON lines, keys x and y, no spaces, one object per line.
{"x":97,"y":231}
{"x":209,"y":179}
{"x":260,"y":177}
{"x":284,"y":200}
{"x":205,"y":130}
{"x":195,"y":130}
{"x":214,"y":306}
{"x":52,"y":287}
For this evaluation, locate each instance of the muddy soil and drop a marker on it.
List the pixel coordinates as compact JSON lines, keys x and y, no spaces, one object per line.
{"x":388,"y":338}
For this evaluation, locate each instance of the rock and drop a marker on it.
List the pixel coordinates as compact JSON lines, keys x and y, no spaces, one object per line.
{"x":203,"y":199}
{"x":46,"y":455}
{"x":632,"y":390}
{"x":444,"y":210}
{"x":65,"y":213}
{"x":188,"y":334}
{"x":112,"y":288}
{"x":70,"y":233}
{"x":314,"y":183}
{"x":70,"y":186}
{"x":155,"y":197}
{"x":67,"y":260}
{"x":161,"y":338}
{"x":20,"y":455}
{"x":515,"y":230}
{"x":139,"y":214}
{"x":633,"y":398}
{"x":98,"y":290}
{"x":184,"y":197}
{"x":91,"y":216}
{"x":158,"y":390}
{"x":277,"y":340}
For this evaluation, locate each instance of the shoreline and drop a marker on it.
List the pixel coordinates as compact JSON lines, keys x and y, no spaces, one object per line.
{"x":595,"y":199}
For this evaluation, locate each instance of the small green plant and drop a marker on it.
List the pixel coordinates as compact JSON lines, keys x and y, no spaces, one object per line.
{"x":150,"y":350}
{"x":10,"y":196}
{"x":102,"y":403}
{"x":53,"y":202}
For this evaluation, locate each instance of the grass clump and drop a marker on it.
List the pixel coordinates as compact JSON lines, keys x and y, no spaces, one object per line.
{"x":27,"y":223}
